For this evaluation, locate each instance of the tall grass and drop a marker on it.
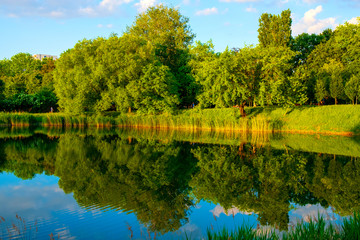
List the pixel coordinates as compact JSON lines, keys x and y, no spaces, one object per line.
{"x":18,"y":229}
{"x":208,"y":119}
{"x":317,"y":229}
{"x":340,"y":119}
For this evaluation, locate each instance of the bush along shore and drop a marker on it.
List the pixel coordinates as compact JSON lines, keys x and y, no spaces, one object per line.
{"x":339,"y":120}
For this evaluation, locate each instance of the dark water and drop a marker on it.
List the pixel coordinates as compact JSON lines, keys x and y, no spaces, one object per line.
{"x":117,"y":184}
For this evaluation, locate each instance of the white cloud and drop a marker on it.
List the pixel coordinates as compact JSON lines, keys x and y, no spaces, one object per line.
{"x":186,"y":2}
{"x":239,"y":1}
{"x":354,"y":20}
{"x":11,"y":15}
{"x":88,"y":11}
{"x":207,"y":11}
{"x":56,"y":14}
{"x":251,"y":9}
{"x":311,"y":212}
{"x":105,"y":26}
{"x":111,"y":5}
{"x":312,"y":1}
{"x":60,"y":9}
{"x":232,"y":211}
{"x":310,"y":24}
{"x":145,"y":4}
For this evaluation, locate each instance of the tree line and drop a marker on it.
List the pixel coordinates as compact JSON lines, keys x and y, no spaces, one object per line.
{"x":155,"y":66}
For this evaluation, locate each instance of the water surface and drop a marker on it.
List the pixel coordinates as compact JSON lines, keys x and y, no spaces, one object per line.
{"x":137,"y":184}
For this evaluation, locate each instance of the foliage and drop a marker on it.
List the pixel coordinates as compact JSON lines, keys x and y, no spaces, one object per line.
{"x":154,"y":68}
{"x":26,"y":84}
{"x":305,"y":43}
{"x":145,"y":69}
{"x":275,"y":30}
{"x":352,"y":88}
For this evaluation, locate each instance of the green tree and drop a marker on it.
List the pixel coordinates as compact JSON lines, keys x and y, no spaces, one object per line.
{"x":5,"y":67}
{"x":352,"y":88}
{"x":76,"y":83}
{"x":275,"y":30}
{"x":249,"y":69}
{"x":168,"y":36}
{"x":46,"y":72}
{"x":155,"y":91}
{"x":145,"y":69}
{"x":204,"y":69}
{"x":276,"y":86}
{"x":23,"y":63}
{"x":305,"y":43}
{"x":321,"y":91}
{"x":342,"y":50}
{"x":336,"y":86}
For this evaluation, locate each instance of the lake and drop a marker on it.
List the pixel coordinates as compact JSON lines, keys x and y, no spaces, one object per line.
{"x":148,"y":184}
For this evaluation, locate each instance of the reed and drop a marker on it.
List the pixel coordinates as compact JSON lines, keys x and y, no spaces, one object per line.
{"x":18,"y":229}
{"x":316,"y":228}
{"x":17,"y":119}
{"x":53,"y":120}
{"x":104,"y":121}
{"x":208,"y":119}
{"x":340,"y":119}
{"x":351,"y":227}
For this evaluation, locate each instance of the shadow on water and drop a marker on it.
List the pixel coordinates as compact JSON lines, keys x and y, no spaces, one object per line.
{"x":356,"y":130}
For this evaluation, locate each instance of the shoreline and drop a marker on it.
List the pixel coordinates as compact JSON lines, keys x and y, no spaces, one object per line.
{"x":341,"y":120}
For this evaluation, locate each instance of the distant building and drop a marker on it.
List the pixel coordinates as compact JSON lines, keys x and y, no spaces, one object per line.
{"x":42,"y":56}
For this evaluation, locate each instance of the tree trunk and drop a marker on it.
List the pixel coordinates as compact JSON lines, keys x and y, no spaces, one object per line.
{"x":335,"y":101}
{"x":129,"y":109}
{"x":242,"y":109}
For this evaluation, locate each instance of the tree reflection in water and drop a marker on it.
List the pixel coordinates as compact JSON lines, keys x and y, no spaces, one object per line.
{"x":160,"y":181}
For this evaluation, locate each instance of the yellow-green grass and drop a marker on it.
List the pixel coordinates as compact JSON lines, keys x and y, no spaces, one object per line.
{"x":340,"y":119}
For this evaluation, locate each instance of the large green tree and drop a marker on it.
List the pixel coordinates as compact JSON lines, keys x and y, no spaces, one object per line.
{"x":305,"y":43}
{"x":277,"y":87}
{"x":145,"y":69}
{"x":336,"y":59}
{"x":275,"y":30}
{"x":168,"y":36}
{"x":77,"y":84}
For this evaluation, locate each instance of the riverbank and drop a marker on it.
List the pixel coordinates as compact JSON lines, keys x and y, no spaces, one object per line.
{"x":333,"y":120}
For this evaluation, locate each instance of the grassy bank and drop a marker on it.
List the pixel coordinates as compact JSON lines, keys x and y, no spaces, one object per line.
{"x":317,"y":228}
{"x":340,"y":119}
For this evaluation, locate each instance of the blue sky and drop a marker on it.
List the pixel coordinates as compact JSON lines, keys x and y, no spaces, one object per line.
{"x":53,"y":26}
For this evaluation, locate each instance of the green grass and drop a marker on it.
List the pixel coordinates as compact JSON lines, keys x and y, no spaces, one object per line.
{"x":340,"y":119}
{"x":315,"y":229}
{"x":319,"y":119}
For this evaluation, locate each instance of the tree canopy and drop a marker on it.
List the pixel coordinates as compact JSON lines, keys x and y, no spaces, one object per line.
{"x":155,"y":67}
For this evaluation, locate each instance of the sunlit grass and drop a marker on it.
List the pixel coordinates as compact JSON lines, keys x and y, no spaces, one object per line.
{"x":317,"y":228}
{"x":340,"y":119}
